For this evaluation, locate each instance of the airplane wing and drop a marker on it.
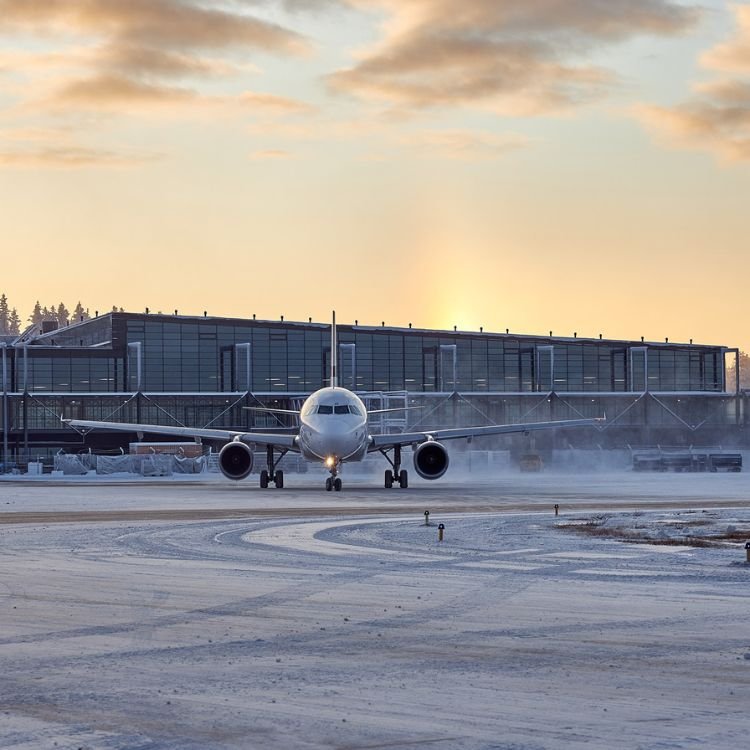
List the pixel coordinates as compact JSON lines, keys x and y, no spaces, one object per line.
{"x":260,"y":438}
{"x":379,"y":442}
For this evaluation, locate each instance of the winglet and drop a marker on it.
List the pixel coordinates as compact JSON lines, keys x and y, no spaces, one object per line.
{"x":334,"y":352}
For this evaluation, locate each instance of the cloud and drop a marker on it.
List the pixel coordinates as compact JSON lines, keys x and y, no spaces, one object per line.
{"x":270,"y":154}
{"x":114,"y":92}
{"x":109,"y":90}
{"x":388,"y":141}
{"x":174,"y":24}
{"x":136,"y":59}
{"x":70,"y":157}
{"x":718,"y":123}
{"x":271,"y":103}
{"x":507,"y":77}
{"x":44,"y":147}
{"x":462,"y":144}
{"x":512,"y":57}
{"x":320,"y":129}
{"x":716,"y":118}
{"x":112,"y":53}
{"x":732,"y":56}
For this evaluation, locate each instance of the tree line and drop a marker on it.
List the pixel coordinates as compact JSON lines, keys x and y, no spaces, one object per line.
{"x":10,"y":321}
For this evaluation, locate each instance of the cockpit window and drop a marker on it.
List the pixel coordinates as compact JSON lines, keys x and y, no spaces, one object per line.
{"x":338,"y":409}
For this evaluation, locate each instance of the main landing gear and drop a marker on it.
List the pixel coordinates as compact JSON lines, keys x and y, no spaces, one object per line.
{"x":272,"y":474}
{"x":396,"y":474}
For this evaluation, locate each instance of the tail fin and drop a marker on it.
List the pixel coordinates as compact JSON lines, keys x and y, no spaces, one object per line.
{"x":334,"y":352}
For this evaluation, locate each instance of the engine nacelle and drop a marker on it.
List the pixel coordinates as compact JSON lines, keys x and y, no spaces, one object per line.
{"x":430,"y":460}
{"x":236,"y":460}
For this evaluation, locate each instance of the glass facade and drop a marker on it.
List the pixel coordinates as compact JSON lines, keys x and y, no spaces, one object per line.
{"x":123,"y":352}
{"x":66,"y":372}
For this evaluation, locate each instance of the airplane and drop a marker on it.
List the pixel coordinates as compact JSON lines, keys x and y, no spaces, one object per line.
{"x":332,"y":431}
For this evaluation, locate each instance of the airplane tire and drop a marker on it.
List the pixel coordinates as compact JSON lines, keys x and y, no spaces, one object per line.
{"x":329,"y":484}
{"x":388,"y":479}
{"x":263,"y":479}
{"x":403,"y":479}
{"x":279,"y":479}
{"x":337,"y":484}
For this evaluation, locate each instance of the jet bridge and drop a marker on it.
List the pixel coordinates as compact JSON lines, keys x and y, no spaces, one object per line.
{"x":387,"y":422}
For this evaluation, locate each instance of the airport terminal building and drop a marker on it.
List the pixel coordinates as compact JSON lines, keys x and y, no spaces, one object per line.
{"x":202,"y":371}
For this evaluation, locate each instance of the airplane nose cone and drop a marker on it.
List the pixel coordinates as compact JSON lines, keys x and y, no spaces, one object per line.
{"x":339,"y":440}
{"x":339,"y":445}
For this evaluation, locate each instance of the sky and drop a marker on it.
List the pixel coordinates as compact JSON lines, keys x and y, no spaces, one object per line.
{"x":535,"y":165}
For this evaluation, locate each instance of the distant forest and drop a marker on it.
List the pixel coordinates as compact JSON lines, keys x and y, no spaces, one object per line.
{"x":11,"y":324}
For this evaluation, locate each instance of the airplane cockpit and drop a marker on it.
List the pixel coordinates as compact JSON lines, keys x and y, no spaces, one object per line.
{"x":338,"y":409}
{"x":315,"y":407}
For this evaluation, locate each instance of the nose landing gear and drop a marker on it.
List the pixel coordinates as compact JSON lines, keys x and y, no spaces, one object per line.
{"x":333,"y":482}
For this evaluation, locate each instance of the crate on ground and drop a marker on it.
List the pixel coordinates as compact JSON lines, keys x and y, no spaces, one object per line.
{"x":685,"y":459}
{"x":725,"y":461}
{"x":185,"y":449}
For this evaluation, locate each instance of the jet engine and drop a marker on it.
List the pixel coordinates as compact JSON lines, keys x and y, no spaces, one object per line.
{"x":236,"y":460}
{"x":430,"y":460}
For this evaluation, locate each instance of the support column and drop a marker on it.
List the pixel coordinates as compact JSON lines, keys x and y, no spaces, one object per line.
{"x":6,"y":421}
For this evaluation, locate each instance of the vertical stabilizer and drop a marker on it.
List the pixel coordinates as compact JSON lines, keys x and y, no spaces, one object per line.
{"x":334,"y":352}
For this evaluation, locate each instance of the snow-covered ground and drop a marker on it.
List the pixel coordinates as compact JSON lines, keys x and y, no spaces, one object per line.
{"x":319,"y":629}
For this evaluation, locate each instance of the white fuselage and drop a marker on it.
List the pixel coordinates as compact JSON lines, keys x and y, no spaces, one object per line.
{"x":333,"y":427}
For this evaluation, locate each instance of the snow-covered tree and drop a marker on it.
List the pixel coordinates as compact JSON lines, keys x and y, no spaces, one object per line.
{"x":62,"y":314}
{"x":14,"y":323}
{"x":80,"y":313}
{"x":744,"y":362}
{"x":4,"y":315}
{"x":37,"y":314}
